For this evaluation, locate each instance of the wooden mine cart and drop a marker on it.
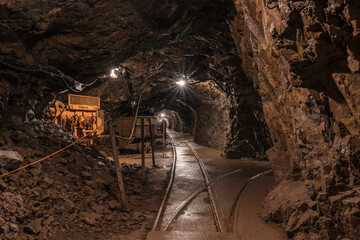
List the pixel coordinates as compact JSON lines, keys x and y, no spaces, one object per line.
{"x":81,"y":116}
{"x":125,"y":125}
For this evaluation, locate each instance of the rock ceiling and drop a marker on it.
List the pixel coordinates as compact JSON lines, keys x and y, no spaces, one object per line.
{"x":157,"y":41}
{"x":85,"y":39}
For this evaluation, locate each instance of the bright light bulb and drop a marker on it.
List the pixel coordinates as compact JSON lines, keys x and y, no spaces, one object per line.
{"x":113,"y":73}
{"x":162,"y":115}
{"x":181,"y":83}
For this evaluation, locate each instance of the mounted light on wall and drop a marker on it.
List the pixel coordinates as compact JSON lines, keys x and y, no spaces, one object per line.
{"x":181,"y":83}
{"x":114,"y":73}
{"x":162,"y":115}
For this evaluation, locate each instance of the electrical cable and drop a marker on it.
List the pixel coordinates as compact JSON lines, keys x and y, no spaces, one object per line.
{"x":127,"y":87}
{"x":81,"y":85}
{"x":193,"y":83}
{"x":222,"y":89}
{"x":233,"y":94}
{"x":44,"y":158}
{"x":139,"y":100}
{"x":135,"y":119}
{"x":51,"y":71}
{"x":40,"y":69}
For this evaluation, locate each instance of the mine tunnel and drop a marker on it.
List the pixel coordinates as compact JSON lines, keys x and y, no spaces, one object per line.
{"x":179,"y":119}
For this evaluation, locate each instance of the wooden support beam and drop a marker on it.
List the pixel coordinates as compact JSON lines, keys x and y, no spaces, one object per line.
{"x":118,"y":168}
{"x":143,"y":152}
{"x":152,"y":143}
{"x":165,"y":127}
{"x":164,"y":136}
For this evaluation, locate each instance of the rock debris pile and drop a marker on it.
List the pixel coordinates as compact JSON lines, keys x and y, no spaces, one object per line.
{"x":73,"y":191}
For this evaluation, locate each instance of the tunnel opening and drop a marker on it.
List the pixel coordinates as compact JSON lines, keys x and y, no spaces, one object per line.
{"x":172,"y":119}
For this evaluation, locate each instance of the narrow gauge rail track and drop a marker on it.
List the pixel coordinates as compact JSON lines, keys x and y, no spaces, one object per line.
{"x":218,"y":221}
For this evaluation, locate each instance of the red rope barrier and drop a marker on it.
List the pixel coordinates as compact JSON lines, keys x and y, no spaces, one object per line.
{"x":42,"y":159}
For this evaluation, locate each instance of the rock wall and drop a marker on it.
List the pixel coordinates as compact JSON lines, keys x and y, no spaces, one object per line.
{"x":233,"y":124}
{"x":248,"y":135}
{"x":212,"y":122}
{"x":158,"y":40}
{"x":24,"y":97}
{"x":303,"y":57}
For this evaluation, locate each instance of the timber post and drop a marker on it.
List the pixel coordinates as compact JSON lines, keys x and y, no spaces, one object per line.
{"x":118,"y":167}
{"x":152,"y":143}
{"x":143,"y":152}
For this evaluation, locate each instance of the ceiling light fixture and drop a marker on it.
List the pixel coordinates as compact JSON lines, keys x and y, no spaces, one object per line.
{"x":181,"y":83}
{"x":114,"y":73}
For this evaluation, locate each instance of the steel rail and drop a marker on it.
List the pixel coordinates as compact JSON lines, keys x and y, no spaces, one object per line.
{"x":183,"y":205}
{"x":168,"y":190}
{"x":207,"y":186}
{"x":235,"y":206}
{"x":215,"y":211}
{"x":190,"y":198}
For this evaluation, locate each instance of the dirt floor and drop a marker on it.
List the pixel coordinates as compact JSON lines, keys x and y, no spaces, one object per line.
{"x":144,"y":201}
{"x":149,"y":200}
{"x":238,"y":190}
{"x":249,"y":225}
{"x":74,"y":194}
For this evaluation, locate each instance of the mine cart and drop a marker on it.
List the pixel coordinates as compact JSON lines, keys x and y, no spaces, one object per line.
{"x":81,"y":116}
{"x":125,"y":125}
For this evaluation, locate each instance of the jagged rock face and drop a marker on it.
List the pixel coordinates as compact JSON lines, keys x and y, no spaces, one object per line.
{"x":247,"y":125}
{"x":84,"y":38}
{"x":22,"y":97}
{"x":158,"y":41}
{"x":303,"y":56}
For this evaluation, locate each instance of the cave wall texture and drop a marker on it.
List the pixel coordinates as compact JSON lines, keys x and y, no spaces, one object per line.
{"x":157,"y":40}
{"x":293,"y":67}
{"x":303,"y":57}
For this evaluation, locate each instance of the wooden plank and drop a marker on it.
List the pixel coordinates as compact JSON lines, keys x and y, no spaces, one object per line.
{"x":152,"y":143}
{"x":118,"y":167}
{"x":164,"y":133}
{"x":143,"y":152}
